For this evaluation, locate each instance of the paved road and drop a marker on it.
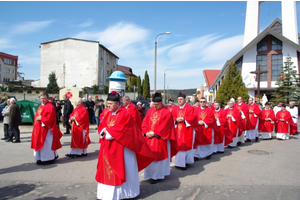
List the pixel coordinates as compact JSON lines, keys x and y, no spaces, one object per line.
{"x":263,"y":170}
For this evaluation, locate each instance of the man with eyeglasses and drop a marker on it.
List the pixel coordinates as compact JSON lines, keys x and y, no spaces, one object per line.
{"x":244,"y":111}
{"x":222,"y":136}
{"x":233,"y":120}
{"x":206,"y":125}
{"x":123,"y":153}
{"x":159,"y":133}
{"x":185,"y":126}
{"x":252,"y":123}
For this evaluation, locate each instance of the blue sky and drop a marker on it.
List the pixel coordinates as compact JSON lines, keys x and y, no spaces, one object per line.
{"x":204,"y":34}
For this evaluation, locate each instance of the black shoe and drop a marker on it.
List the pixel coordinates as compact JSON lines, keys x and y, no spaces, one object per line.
{"x":182,"y":168}
{"x":256,"y":139}
{"x":153,"y":181}
{"x":66,"y":133}
{"x":16,"y":141}
{"x":9,"y":140}
{"x":38,"y":162}
{"x":220,"y":151}
{"x":196,"y":159}
{"x":70,"y":155}
{"x":248,"y":140}
{"x":208,"y":157}
{"x":84,"y":154}
{"x":230,"y":147}
{"x":56,"y":157}
{"x":5,"y":138}
{"x":239,"y":144}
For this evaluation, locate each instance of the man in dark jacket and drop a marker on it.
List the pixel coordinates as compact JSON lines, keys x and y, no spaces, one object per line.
{"x":14,"y":121}
{"x":68,"y":109}
{"x":90,"y":108}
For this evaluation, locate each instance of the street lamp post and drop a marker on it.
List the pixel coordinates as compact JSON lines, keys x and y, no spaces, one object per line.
{"x":155,"y":58}
{"x":165,"y":84}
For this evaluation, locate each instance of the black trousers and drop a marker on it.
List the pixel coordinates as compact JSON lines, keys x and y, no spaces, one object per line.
{"x":91,"y":114}
{"x":5,"y":129}
{"x":14,"y":131}
{"x":68,"y":126}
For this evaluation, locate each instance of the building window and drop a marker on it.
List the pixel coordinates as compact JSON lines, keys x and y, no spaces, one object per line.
{"x":14,"y":63}
{"x":277,"y":64}
{"x":101,"y":54}
{"x":7,"y":61}
{"x":277,"y":27}
{"x":5,"y":79}
{"x":107,"y":58}
{"x":13,"y":71}
{"x":7,"y":71}
{"x":261,"y":60}
{"x":262,"y":45}
{"x":107,"y":75}
{"x":101,"y":74}
{"x":276,"y":44}
{"x":239,"y":63}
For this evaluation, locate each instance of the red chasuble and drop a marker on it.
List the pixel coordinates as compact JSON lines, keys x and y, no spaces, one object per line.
{"x":134,"y":113}
{"x":283,"y":126}
{"x":243,"y":124}
{"x":266,"y":125}
{"x":204,"y":135}
{"x":39,"y":132}
{"x":233,"y":125}
{"x":223,"y":129}
{"x":161,"y":123}
{"x":125,"y":133}
{"x":170,"y":108}
{"x":184,"y":134}
{"x":251,"y":123}
{"x":82,"y":118}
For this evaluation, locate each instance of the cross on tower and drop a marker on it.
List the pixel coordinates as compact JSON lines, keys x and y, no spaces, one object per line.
{"x":258,"y":73}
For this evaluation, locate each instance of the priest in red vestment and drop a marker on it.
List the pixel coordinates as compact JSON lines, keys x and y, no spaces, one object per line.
{"x":158,"y":130}
{"x":205,"y":132}
{"x":130,"y":107}
{"x":284,"y":123}
{"x":185,"y":120}
{"x":266,"y":122}
{"x":79,"y":130}
{"x":222,"y":136}
{"x":45,"y":139}
{"x":252,"y":123}
{"x":233,"y":118}
{"x":123,"y":153}
{"x":171,"y":105}
{"x":244,"y":111}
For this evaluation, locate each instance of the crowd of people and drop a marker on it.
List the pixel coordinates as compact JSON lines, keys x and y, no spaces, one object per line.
{"x":131,"y":142}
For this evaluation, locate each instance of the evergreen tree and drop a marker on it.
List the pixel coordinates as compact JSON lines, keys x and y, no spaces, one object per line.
{"x":288,"y":84}
{"x":142,"y":87}
{"x":146,"y":86}
{"x":52,"y":87}
{"x":139,"y":85}
{"x":95,"y":89}
{"x":232,"y":86}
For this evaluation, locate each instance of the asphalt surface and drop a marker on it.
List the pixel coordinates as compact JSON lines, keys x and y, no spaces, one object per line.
{"x":264,"y":170}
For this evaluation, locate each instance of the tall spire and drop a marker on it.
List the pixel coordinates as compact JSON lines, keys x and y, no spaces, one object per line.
{"x":252,"y":21}
{"x":289,"y":21}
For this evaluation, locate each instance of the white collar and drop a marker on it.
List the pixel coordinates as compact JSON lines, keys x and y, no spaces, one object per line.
{"x":182,"y":106}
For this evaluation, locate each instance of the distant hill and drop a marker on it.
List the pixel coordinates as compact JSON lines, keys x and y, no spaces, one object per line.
{"x":172,"y":93}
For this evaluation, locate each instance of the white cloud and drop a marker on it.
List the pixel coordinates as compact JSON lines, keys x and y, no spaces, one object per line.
{"x":5,"y":44}
{"x":86,"y":24}
{"x":30,"y":27}
{"x":222,"y":50}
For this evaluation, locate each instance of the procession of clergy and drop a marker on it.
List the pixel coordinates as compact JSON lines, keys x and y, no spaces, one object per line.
{"x":129,"y":144}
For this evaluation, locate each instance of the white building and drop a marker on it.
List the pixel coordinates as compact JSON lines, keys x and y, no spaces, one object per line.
{"x":267,"y":49}
{"x":83,"y":63}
